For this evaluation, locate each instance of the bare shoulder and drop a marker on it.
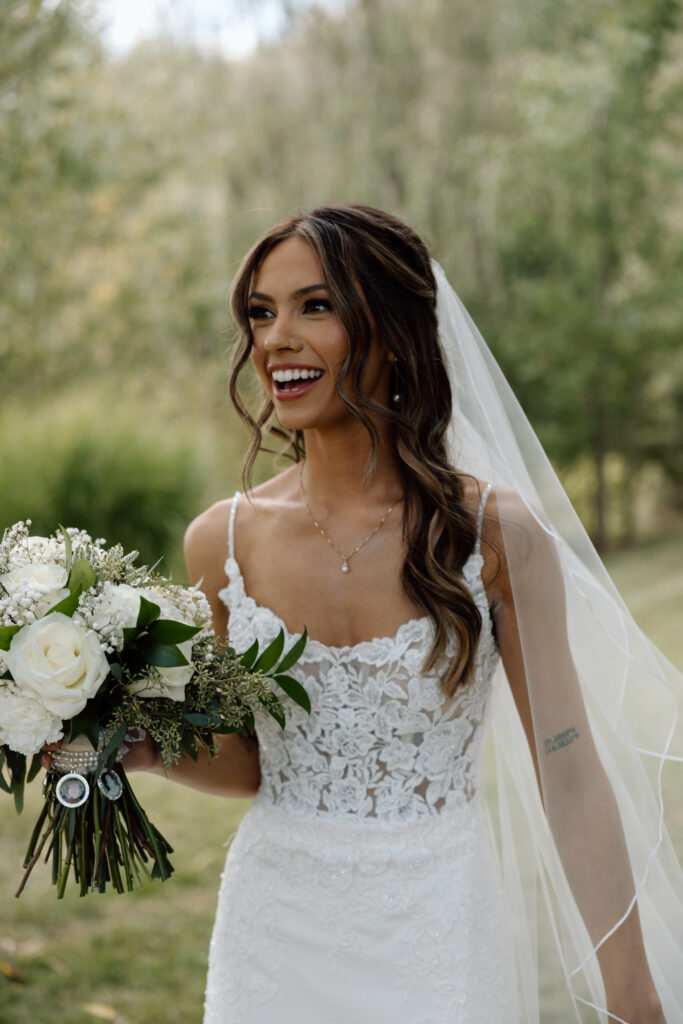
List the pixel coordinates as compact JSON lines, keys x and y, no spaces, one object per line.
{"x":206,"y":541}
{"x":514,"y":533}
{"x":206,"y":538}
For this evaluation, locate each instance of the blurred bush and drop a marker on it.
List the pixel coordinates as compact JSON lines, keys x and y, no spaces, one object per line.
{"x":112,"y":470}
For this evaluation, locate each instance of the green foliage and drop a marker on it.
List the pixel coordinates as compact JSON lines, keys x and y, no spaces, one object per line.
{"x":116,"y":473}
{"x":535,"y":145}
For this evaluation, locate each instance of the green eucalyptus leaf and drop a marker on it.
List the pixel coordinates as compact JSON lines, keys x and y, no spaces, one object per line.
{"x":294,"y":690}
{"x":6,"y":634}
{"x":16,"y":763}
{"x":161,"y":655}
{"x":294,"y":653}
{"x":67,"y":548}
{"x":4,"y":785}
{"x":17,"y":766}
{"x":189,"y":745}
{"x":197,"y":718}
{"x":274,"y":709}
{"x":129,"y":634}
{"x":69,"y":605}
{"x":116,"y":670}
{"x":18,"y":792}
{"x":148,"y":613}
{"x":114,"y":744}
{"x":271,"y":654}
{"x":167,"y":631}
{"x":249,"y":656}
{"x":34,"y":768}
{"x":83,"y":574}
{"x":87,"y":724}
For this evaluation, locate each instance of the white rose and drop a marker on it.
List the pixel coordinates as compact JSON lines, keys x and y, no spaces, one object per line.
{"x":44,"y":582}
{"x":25,"y":723}
{"x":59,"y":661}
{"x":170,"y":682}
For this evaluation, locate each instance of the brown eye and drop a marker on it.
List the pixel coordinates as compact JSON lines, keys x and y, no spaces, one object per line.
{"x":318,"y":306}
{"x":260,"y":313}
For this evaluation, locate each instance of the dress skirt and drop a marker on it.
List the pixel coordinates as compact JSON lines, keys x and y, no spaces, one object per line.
{"x":338,"y":920}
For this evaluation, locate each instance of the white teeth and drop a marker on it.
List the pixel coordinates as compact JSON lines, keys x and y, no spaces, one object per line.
{"x":283,"y":376}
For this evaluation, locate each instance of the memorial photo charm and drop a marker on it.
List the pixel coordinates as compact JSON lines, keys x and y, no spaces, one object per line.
{"x":110,"y":785}
{"x":72,"y":790}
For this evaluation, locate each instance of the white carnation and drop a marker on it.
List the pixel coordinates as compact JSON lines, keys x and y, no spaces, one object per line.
{"x":25,"y":723}
{"x":38,"y":586}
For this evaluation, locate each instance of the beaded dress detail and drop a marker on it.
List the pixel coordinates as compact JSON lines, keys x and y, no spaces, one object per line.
{"x":361,"y":886}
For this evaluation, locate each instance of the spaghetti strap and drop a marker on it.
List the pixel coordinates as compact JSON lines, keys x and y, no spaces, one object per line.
{"x":480,"y":517}
{"x":231,"y":525}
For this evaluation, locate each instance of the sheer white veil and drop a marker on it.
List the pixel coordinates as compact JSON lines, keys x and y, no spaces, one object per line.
{"x":601,"y":696}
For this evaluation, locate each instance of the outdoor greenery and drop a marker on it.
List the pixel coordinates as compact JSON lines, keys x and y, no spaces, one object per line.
{"x":535,"y":144}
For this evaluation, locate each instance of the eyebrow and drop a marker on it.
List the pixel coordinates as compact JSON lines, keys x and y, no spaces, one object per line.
{"x":295,"y":295}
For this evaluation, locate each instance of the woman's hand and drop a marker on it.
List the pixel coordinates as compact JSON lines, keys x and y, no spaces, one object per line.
{"x":46,"y":757}
{"x":142,"y":756}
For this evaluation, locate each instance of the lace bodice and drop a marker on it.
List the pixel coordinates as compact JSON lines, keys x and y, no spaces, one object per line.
{"x":382,"y":741}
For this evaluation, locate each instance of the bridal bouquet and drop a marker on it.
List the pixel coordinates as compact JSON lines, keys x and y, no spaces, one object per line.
{"x":96,"y":652}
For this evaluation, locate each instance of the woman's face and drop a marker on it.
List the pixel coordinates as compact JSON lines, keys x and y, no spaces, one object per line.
{"x":299,"y":342}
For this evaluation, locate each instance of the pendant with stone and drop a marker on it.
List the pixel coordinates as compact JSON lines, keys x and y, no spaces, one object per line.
{"x":345,"y":565}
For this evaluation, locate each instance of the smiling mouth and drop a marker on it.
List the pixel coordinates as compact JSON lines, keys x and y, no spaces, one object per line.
{"x":291,"y":382}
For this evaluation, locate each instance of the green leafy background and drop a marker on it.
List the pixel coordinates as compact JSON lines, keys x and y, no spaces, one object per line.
{"x":537,"y":146}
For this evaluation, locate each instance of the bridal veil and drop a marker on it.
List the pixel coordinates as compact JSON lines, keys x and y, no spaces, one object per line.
{"x":573,"y":865}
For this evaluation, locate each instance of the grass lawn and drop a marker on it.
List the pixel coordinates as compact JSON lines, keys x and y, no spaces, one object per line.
{"x":140,"y":958}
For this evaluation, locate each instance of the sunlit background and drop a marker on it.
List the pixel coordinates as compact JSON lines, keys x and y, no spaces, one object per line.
{"x":536,"y":144}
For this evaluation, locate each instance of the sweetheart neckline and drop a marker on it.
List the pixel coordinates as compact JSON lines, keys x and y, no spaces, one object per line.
{"x":236,"y":578}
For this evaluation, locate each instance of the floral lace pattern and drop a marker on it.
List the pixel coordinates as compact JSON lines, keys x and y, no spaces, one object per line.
{"x":361,"y":885}
{"x":382,"y":740}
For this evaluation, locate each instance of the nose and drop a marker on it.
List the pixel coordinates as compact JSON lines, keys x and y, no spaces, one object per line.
{"x":281,"y":337}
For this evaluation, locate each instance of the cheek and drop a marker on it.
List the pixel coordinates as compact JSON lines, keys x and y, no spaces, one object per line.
{"x":258,"y":361}
{"x":337,"y":347}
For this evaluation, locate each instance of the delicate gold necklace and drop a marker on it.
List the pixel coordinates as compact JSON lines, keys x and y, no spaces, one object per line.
{"x":345,"y":558}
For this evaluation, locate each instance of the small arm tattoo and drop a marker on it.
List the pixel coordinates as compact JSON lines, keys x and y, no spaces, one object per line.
{"x":559,"y":740}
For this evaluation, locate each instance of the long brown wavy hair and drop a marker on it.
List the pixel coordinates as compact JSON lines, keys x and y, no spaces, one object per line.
{"x":380,"y":280}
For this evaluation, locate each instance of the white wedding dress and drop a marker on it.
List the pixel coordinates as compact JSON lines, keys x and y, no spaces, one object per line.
{"x":361,"y":887}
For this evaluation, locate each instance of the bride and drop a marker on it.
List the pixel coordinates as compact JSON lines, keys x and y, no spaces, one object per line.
{"x":422,"y":541}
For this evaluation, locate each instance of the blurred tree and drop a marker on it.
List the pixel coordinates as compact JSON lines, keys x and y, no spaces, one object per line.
{"x":587,"y":245}
{"x":536,"y":145}
{"x":45,"y":171}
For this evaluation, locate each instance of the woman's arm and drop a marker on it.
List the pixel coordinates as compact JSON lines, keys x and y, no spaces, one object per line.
{"x":234,"y":771}
{"x":530,"y":617}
